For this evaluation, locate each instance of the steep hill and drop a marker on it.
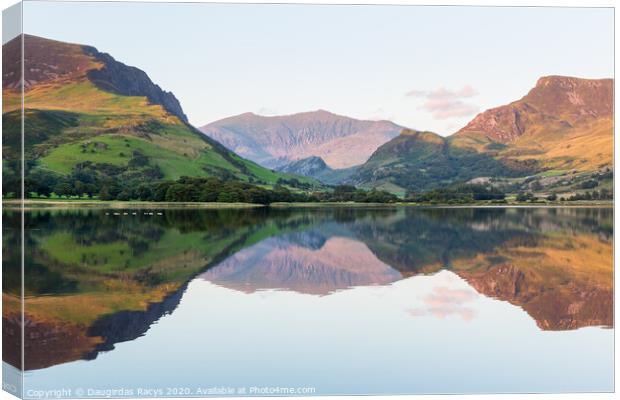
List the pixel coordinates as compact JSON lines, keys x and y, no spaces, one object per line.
{"x":416,"y":161}
{"x":341,"y":142}
{"x":316,"y":168}
{"x":86,"y":111}
{"x":563,"y":123}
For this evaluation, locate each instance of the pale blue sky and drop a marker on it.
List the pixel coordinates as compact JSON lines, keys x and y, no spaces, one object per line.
{"x":360,"y":61}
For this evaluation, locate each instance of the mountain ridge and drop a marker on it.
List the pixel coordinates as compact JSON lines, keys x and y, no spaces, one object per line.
{"x":555,"y":101}
{"x":563,"y":124}
{"x":274,"y":141}
{"x":51,"y":61}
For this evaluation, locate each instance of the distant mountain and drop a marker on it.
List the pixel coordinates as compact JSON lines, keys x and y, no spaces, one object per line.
{"x":310,"y":166}
{"x":563,"y":124}
{"x":88,"y":114}
{"x":273,"y":142}
{"x":316,"y":168}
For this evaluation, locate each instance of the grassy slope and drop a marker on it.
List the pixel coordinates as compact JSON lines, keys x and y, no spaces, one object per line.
{"x":423,"y":160}
{"x":585,"y":147}
{"x":111,"y":275}
{"x":106,"y":128}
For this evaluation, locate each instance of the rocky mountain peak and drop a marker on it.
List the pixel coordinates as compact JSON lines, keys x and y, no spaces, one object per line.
{"x":51,"y":61}
{"x":556,"y":102}
{"x":276,"y":141}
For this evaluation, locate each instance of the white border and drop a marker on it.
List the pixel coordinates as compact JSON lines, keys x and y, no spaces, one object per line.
{"x":504,"y":3}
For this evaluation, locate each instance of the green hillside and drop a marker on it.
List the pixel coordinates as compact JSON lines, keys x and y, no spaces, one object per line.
{"x":417,"y":161}
{"x":107,"y":125}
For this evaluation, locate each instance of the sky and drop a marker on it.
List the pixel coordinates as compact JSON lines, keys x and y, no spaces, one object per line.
{"x":424,"y":67}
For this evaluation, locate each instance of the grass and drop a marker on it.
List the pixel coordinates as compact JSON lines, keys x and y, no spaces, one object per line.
{"x":585,"y":147}
{"x":82,"y":96}
{"x":107,"y":128}
{"x":118,"y":149}
{"x":550,"y":173}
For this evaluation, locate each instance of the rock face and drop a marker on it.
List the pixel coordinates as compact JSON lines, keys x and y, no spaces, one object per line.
{"x":50,"y":60}
{"x":555,"y":102}
{"x":121,"y":79}
{"x":45,"y":60}
{"x":273,"y":142}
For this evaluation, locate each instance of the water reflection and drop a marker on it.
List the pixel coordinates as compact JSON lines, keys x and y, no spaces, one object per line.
{"x":306,"y":262}
{"x":96,"y":280}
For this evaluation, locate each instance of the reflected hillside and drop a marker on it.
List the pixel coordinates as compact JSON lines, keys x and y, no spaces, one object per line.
{"x":87,"y":270}
{"x":97,"y":279}
{"x":556,"y":264}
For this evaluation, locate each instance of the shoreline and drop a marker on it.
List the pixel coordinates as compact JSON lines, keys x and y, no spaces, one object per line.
{"x":94,"y":204}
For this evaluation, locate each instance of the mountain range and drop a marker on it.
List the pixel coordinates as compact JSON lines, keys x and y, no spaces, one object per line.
{"x":89,"y":117}
{"x":341,"y":142}
{"x":562,"y":125}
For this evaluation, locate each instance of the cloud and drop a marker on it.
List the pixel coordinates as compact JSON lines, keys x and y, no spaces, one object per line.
{"x":444,"y":109}
{"x":267,"y":111}
{"x":443,"y":93}
{"x":443,"y":103}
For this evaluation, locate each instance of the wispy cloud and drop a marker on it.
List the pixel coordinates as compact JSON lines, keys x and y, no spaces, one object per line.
{"x":443,"y":103}
{"x":444,"y":109}
{"x":267,"y":111}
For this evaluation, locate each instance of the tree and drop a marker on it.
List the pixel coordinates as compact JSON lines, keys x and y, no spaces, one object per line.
{"x":144,"y":192}
{"x":90,"y":189}
{"x":104,"y":193}
{"x":176,"y":192}
{"x":124,"y":195}
{"x":590,"y":184}
{"x":523,"y":196}
{"x":63,"y":189}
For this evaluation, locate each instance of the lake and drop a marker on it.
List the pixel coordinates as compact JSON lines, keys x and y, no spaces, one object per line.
{"x":313,"y":301}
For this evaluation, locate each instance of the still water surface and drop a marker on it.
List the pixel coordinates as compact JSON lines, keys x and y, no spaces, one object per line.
{"x":363,"y":301}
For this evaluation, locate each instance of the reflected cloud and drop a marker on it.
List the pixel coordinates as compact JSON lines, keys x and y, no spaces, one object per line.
{"x":443,"y":302}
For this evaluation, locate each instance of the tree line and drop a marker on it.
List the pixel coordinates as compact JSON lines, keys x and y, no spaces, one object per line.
{"x":458,"y":194}
{"x":142,"y":181}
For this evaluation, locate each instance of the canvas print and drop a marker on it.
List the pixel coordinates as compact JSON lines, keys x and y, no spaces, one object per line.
{"x":212,"y":200}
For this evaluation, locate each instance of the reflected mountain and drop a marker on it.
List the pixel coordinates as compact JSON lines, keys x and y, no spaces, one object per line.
{"x":123,"y":273}
{"x":304,"y":262}
{"x":556,"y":264}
